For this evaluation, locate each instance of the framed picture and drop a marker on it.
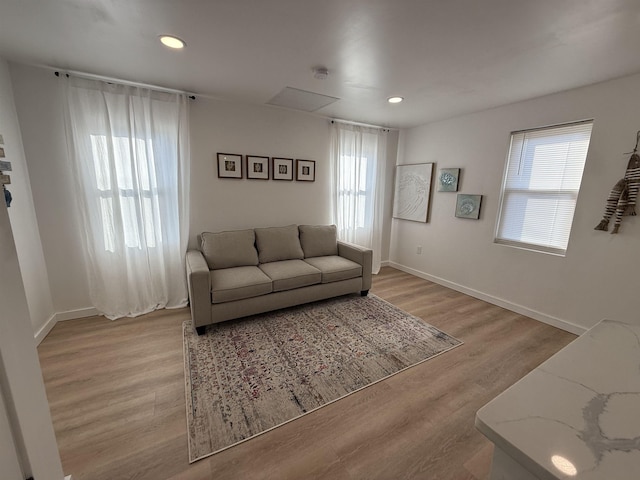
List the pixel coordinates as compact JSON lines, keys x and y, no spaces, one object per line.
{"x":305,"y":170}
{"x":468,"y":206}
{"x":282,"y":168}
{"x":448,"y":179}
{"x":413,"y":188}
{"x":229,"y":165}
{"x":257,"y":167}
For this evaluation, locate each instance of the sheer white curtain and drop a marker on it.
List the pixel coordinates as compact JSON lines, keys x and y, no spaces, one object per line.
{"x":358,"y":157}
{"x":130,"y":156}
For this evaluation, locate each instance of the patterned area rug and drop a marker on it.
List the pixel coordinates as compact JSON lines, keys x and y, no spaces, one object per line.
{"x":247,"y":376}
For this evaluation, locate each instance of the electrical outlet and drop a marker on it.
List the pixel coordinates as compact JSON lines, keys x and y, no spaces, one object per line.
{"x":419,"y":249}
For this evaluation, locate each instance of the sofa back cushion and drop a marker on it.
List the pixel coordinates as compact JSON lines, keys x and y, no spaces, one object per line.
{"x":278,"y":243}
{"x":319,"y":240}
{"x":229,"y":249}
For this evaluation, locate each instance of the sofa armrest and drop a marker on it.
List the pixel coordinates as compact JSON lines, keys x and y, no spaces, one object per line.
{"x":360,"y":255}
{"x":199,"y":283}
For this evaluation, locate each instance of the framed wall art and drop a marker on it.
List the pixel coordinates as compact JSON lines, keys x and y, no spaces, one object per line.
{"x":229,"y":165}
{"x":448,"y":179}
{"x":282,"y":168}
{"x":413,"y":188}
{"x":468,"y":206}
{"x":306,"y":170}
{"x":257,"y":167}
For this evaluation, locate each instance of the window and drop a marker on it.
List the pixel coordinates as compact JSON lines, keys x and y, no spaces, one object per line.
{"x":130,"y":157}
{"x":135,"y":187}
{"x":358,"y":169}
{"x":353,"y":198}
{"x":541,"y":184}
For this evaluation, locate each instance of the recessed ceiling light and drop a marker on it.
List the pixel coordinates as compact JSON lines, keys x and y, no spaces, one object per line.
{"x":395,"y":99}
{"x":172,"y":42}
{"x":564,"y":465}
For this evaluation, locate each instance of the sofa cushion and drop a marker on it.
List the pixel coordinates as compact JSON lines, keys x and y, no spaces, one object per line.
{"x":319,"y":240}
{"x":289,"y":274}
{"x":229,"y":249}
{"x":335,"y":268}
{"x":237,"y":283}
{"x":278,"y":243}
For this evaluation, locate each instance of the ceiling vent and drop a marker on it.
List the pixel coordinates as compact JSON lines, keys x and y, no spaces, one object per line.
{"x":301,"y":100}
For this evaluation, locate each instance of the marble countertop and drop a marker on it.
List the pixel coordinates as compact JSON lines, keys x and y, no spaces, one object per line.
{"x":578,"y":414}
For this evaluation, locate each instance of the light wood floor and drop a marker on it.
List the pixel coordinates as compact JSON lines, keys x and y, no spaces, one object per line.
{"x":116,"y":392}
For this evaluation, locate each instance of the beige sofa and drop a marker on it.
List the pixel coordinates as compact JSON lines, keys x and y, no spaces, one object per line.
{"x":244,"y":272}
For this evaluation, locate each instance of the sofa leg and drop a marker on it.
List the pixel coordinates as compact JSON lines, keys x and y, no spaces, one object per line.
{"x":200,"y":330}
{"x":364,"y":293}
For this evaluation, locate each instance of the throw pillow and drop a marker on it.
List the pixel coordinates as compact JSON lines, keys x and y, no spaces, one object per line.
{"x":319,"y":240}
{"x":278,"y":243}
{"x":229,"y":249}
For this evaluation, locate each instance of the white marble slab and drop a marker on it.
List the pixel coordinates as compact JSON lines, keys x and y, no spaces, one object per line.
{"x":579,"y":411}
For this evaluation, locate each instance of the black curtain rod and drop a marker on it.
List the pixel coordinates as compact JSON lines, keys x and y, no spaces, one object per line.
{"x":363,"y":125}
{"x":57,"y":74}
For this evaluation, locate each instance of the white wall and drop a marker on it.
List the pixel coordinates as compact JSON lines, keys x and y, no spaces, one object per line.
{"x":597,"y":279}
{"x":39,"y":106}
{"x":225,"y":204}
{"x":9,"y":457}
{"x":216,"y":204}
{"x":20,"y":376}
{"x":22,"y":212}
{"x":219,"y":204}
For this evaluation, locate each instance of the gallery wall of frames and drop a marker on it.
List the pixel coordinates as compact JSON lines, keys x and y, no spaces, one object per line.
{"x":413,"y":192}
{"x":256,"y":167}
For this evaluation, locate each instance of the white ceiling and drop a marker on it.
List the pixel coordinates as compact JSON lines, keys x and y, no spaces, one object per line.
{"x":446,"y":57}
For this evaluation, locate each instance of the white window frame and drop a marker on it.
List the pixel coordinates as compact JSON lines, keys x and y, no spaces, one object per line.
{"x":134,"y":189}
{"x":559,"y":192}
{"x":356,"y":190}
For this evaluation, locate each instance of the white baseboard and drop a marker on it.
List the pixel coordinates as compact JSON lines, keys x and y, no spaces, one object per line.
{"x":45,"y":329}
{"x":74,"y":314}
{"x":514,"y":307}
{"x":385,"y":263}
{"x":42,"y":333}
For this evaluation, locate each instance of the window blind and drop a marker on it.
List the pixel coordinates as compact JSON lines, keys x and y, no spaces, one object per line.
{"x":541,"y":185}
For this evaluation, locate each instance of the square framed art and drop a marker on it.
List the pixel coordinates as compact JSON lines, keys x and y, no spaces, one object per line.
{"x":229,"y":165}
{"x":448,"y":179}
{"x":306,"y":170}
{"x":282,"y":168}
{"x":257,"y":167}
{"x":468,"y":206}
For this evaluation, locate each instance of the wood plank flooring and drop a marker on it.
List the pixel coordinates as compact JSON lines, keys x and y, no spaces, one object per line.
{"x":116,"y":392}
